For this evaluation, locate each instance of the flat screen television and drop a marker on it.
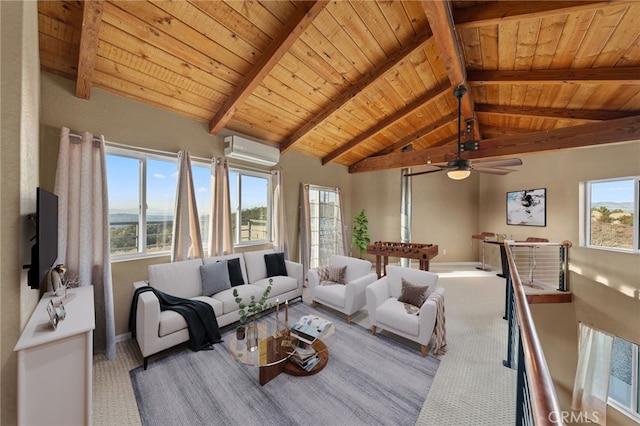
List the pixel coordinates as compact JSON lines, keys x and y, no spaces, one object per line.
{"x":45,"y":250}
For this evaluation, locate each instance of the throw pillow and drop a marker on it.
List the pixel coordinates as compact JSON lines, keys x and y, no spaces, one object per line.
{"x":275,"y":264}
{"x":214,"y":277}
{"x":337,"y":274}
{"x":413,"y":294}
{"x":323,"y":273}
{"x":235,"y":272}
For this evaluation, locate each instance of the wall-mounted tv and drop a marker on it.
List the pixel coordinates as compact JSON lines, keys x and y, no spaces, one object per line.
{"x":45,"y":250}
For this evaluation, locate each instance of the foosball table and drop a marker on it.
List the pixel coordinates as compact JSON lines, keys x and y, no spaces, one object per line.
{"x":383,"y":250}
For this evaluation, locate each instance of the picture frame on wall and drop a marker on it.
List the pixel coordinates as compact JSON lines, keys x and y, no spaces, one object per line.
{"x":527,"y":207}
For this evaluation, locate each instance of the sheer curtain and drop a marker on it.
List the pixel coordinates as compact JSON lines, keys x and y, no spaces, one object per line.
{"x":321,"y":225}
{"x":220,"y":241}
{"x":591,"y":385}
{"x":279,"y":221}
{"x":305,"y":229}
{"x":83,"y":222}
{"x":187,"y":241}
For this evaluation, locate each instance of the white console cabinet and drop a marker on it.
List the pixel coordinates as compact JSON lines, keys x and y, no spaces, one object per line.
{"x":55,"y":367}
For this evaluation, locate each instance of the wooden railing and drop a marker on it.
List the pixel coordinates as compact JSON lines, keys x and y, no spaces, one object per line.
{"x":536,"y":399}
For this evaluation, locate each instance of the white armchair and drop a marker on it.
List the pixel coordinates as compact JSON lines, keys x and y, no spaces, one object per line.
{"x":346,"y":298}
{"x":387,"y":313}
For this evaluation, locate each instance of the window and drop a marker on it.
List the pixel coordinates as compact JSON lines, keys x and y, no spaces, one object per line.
{"x":201,"y":173}
{"x":612,"y":214}
{"x":326,"y":225}
{"x":250,"y":194}
{"x":142,"y":195}
{"x":624,"y":381}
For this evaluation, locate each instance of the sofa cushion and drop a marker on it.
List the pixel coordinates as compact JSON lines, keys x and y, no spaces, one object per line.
{"x":234,"y":258}
{"x":171,"y":321}
{"x":256,"y":267}
{"x":275,"y":264}
{"x":215,"y":304}
{"x":228,"y":301}
{"x":332,"y":295}
{"x":281,"y":284}
{"x":181,"y":279}
{"x":415,"y":276}
{"x":413,"y":294}
{"x":215,"y":277}
{"x":392,"y":314}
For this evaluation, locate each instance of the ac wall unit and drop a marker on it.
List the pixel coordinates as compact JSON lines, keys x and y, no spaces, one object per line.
{"x":247,"y":150}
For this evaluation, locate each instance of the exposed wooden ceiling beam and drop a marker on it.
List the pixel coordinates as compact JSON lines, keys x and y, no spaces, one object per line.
{"x":441,"y":22}
{"x":276,"y":50}
{"x":503,"y":131}
{"x":570,"y":114}
{"x":604,"y":132}
{"x":419,"y":134}
{"x":501,"y":12}
{"x":360,"y":86}
{"x":629,"y":75}
{"x":89,"y":38}
{"x":390,"y":120}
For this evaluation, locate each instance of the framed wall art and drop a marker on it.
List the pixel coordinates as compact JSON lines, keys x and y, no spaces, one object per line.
{"x":527,"y":207}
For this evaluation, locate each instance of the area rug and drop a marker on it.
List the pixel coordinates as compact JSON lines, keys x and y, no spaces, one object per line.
{"x":368,"y":380}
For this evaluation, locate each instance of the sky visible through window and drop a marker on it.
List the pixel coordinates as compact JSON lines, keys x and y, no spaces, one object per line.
{"x":124,"y":191}
{"x":620,"y":191}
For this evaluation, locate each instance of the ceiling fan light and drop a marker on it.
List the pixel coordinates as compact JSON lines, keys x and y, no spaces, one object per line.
{"x":458,"y":174}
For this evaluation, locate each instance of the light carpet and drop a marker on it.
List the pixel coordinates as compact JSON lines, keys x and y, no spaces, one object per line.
{"x":368,"y":380}
{"x":472,"y":386}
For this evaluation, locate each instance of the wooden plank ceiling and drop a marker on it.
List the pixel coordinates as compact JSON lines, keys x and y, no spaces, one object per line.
{"x":355,"y":82}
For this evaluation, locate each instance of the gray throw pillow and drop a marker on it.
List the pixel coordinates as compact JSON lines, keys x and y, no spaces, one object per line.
{"x":215,"y":278}
{"x":413,"y":294}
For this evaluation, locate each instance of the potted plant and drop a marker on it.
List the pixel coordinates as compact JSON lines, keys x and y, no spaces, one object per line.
{"x":250,"y":312}
{"x":361,"y":238}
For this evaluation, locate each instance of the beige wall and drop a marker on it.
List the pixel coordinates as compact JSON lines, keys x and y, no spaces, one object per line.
{"x":445,"y":212}
{"x":18,"y":181}
{"x":605,"y":284}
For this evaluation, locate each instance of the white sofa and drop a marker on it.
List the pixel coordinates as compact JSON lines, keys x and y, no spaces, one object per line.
{"x":159,"y":330}
{"x":348,"y":298}
{"x":387,"y":313}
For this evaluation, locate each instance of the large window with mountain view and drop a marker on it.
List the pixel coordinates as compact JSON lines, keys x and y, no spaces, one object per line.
{"x":142,"y":193}
{"x":612,"y":214}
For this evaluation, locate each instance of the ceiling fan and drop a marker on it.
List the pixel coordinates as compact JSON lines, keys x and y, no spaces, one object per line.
{"x":460,"y":168}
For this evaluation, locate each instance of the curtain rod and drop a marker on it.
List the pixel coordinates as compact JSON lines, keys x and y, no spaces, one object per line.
{"x":144,"y":150}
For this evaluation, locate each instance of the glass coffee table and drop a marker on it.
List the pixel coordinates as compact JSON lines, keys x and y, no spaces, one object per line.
{"x":275,"y":349}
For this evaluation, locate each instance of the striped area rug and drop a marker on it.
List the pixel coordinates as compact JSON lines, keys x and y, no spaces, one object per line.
{"x":369,"y":380}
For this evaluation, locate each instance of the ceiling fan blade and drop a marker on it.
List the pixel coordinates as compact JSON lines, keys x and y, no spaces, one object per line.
{"x":498,"y":162}
{"x":423,"y":172}
{"x":492,"y":170}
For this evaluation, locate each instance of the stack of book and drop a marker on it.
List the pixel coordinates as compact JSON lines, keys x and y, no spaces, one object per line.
{"x":305,"y":357}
